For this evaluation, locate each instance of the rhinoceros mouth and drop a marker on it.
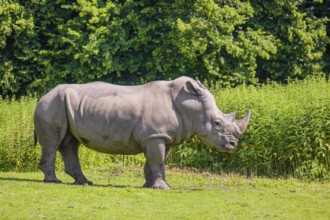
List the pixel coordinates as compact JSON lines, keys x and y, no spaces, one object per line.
{"x":227,"y":148}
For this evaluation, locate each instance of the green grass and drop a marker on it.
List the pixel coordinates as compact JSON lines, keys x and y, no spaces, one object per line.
{"x":117,"y":194}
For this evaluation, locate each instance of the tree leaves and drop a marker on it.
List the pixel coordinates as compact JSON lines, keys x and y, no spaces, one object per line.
{"x":230,"y":42}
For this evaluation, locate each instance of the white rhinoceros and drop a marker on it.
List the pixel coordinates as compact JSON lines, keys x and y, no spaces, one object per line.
{"x":115,"y":119}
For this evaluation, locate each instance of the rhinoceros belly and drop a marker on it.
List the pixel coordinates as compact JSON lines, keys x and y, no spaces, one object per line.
{"x":104,"y":126}
{"x":116,"y":142}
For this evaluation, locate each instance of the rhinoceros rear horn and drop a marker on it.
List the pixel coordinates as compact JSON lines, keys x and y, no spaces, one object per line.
{"x":231,"y":116}
{"x":242,"y":124}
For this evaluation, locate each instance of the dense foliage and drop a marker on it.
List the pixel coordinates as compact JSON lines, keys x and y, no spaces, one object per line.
{"x":45,"y":42}
{"x":288,"y":135}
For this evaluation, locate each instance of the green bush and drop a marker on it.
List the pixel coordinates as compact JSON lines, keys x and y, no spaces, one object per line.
{"x":288,"y":135}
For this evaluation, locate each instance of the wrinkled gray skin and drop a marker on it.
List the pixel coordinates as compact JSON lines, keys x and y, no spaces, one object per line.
{"x":114,"y":119}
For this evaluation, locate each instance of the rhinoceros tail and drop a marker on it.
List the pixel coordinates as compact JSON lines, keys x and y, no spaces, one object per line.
{"x":35,"y":138}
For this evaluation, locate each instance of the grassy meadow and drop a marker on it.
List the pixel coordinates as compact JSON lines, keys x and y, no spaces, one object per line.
{"x":117,"y":194}
{"x":288,"y":134}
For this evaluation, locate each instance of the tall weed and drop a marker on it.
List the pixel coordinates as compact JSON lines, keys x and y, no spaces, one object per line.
{"x":16,"y":134}
{"x":17,"y":150}
{"x":288,"y":134}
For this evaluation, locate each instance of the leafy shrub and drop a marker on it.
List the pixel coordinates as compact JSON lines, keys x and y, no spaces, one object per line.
{"x":44,"y":43}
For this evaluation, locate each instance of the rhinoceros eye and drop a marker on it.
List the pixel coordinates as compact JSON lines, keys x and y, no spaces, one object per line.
{"x":218,"y":124}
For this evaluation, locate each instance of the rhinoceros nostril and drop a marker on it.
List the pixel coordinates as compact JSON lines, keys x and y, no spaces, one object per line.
{"x":232,"y":143}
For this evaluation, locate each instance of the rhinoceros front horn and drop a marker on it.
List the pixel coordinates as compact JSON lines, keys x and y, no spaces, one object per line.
{"x":242,"y":124}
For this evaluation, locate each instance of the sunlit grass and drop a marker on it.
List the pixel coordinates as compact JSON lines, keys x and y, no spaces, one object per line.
{"x":117,"y":194}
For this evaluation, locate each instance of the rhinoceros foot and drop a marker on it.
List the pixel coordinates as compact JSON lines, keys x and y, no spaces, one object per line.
{"x":83,"y":182}
{"x":52,"y":180}
{"x":159,"y":184}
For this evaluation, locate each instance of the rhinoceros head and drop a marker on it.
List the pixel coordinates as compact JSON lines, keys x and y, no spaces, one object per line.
{"x":222,"y":131}
{"x":215,"y":128}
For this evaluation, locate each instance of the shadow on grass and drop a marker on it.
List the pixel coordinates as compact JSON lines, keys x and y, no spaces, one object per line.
{"x":20,"y":179}
{"x":67,"y":183}
{"x":175,"y":190}
{"x":117,"y":186}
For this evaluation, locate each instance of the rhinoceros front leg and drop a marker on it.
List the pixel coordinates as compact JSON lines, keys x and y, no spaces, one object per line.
{"x":154,"y":169}
{"x":69,"y":151}
{"x":148,"y":173}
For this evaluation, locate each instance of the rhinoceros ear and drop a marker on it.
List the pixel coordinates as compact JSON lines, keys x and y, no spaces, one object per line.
{"x":200,"y":84}
{"x":242,"y":124}
{"x":194,"y":88}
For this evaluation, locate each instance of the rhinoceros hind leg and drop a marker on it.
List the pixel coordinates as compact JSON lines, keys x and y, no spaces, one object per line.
{"x":47,"y":164}
{"x":154,"y":170}
{"x":69,"y":151}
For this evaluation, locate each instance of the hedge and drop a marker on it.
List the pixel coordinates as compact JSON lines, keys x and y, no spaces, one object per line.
{"x":230,"y":42}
